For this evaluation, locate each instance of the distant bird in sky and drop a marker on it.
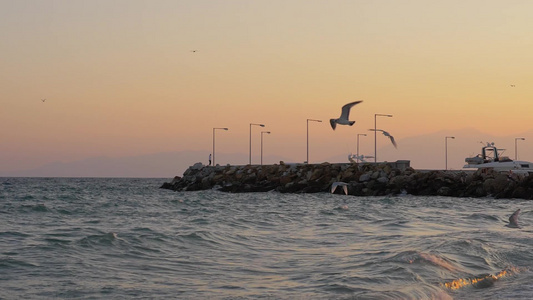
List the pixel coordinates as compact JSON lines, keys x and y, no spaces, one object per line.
{"x":387,"y":135}
{"x":344,"y":118}
{"x":194,"y":50}
{"x":512,"y":85}
{"x":43,"y":100}
{"x":513,"y":220}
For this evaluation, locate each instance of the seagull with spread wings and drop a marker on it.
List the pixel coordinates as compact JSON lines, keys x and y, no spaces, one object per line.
{"x":345,"y":114}
{"x":387,"y":135}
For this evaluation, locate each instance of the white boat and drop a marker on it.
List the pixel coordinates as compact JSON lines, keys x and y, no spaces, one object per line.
{"x":491,"y":157}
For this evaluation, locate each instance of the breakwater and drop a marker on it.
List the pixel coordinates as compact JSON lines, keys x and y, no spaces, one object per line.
{"x":362,"y":179}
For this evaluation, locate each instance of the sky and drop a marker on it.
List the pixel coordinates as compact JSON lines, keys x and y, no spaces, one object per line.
{"x":126,"y":78}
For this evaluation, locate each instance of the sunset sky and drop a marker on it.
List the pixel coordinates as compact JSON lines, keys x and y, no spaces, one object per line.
{"x":120,"y":78}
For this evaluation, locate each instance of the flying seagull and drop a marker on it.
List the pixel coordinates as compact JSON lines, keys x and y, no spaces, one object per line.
{"x":513,"y":220}
{"x":344,"y":118}
{"x":387,"y":135}
{"x":336,"y":184}
{"x":43,"y":100}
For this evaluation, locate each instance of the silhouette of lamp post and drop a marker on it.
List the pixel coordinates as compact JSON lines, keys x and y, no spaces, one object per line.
{"x":267,"y":132}
{"x":221,"y":128}
{"x":375,"y":135}
{"x":515,"y":147}
{"x":357,"y":155}
{"x":446,"y":150}
{"x":262,"y":125}
{"x":307,"y":161}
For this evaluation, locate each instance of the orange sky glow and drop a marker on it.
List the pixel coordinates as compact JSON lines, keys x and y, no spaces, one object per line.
{"x":120,"y":78}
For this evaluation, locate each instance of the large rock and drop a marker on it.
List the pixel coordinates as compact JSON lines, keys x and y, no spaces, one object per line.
{"x":317,"y":173}
{"x":365,"y":177}
{"x":197,"y":166}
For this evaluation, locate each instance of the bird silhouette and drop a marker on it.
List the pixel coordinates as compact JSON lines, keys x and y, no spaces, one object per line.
{"x":387,"y":135}
{"x":345,"y":114}
{"x":43,"y":100}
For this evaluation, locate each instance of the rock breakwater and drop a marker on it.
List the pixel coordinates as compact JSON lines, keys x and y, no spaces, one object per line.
{"x":363,"y":179}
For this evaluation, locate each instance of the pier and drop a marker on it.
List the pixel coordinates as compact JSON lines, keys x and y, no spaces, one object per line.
{"x":363,"y":179}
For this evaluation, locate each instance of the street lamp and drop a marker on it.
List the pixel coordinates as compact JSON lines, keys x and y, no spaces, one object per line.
{"x":222,"y":128}
{"x":515,"y":149}
{"x":357,"y":157}
{"x":307,"y":161}
{"x":446,"y":149}
{"x":267,"y":132}
{"x":262,"y":125}
{"x":375,"y":135}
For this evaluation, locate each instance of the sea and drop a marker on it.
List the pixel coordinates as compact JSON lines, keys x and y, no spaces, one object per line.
{"x":125,"y":238}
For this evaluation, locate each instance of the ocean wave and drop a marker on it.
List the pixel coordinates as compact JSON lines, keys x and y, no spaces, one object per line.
{"x":39,"y":207}
{"x":12,"y":234}
{"x":8,"y":263}
{"x":105,"y":239}
{"x":482,"y":216}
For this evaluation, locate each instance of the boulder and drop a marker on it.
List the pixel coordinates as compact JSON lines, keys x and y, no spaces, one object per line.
{"x":444,"y":191}
{"x":383,"y":179}
{"x":197,"y":166}
{"x":365,"y":177}
{"x":316,"y":174}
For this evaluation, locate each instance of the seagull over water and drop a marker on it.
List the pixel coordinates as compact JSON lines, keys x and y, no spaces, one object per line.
{"x":344,"y":118}
{"x":513,"y":220}
{"x":336,"y":184}
{"x":387,"y":135}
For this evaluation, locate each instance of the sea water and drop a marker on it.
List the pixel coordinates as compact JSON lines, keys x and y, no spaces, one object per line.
{"x":82,"y":238}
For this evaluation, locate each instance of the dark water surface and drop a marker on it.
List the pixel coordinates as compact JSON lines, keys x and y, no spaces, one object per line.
{"x":127,"y":239}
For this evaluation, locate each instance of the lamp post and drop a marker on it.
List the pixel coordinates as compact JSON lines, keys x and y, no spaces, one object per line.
{"x":262,"y":125}
{"x":267,"y":132}
{"x":446,"y":150}
{"x":222,"y":128}
{"x":357,"y":157}
{"x":375,"y":135}
{"x":307,"y":161}
{"x":515,"y":147}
